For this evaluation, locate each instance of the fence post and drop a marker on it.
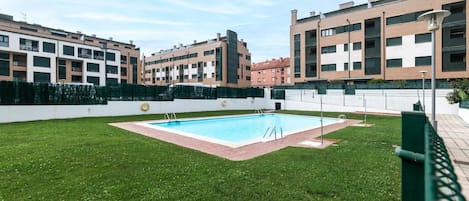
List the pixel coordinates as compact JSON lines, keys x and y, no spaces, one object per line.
{"x":411,"y":153}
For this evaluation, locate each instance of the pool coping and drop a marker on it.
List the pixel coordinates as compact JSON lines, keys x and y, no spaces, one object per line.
{"x":239,"y":153}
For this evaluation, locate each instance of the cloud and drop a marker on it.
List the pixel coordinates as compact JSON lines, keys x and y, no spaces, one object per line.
{"x":211,"y":7}
{"x":118,"y":18}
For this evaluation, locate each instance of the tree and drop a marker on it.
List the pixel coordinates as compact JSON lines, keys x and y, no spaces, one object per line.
{"x":460,"y":91}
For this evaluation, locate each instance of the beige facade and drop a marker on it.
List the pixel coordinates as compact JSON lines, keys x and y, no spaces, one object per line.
{"x":393,"y":45}
{"x":215,"y":62}
{"x":275,"y":72}
{"x":27,"y":44}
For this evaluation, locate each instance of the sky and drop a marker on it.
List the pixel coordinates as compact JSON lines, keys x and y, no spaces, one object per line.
{"x":154,"y":25}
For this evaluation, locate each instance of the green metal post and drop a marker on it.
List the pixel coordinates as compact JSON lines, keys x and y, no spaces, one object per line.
{"x":413,"y":140}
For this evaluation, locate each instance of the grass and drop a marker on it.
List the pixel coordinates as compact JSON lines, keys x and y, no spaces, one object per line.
{"x":86,"y":159}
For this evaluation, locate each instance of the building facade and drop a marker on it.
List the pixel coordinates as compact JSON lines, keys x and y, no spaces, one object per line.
{"x":378,"y":40}
{"x":33,"y":53}
{"x":270,"y":73}
{"x":223,"y":61}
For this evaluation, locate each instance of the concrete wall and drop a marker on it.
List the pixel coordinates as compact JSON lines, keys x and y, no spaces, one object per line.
{"x":119,"y":108}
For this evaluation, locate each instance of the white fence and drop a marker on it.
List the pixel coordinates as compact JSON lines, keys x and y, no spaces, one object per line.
{"x":119,"y":108}
{"x":389,"y":101}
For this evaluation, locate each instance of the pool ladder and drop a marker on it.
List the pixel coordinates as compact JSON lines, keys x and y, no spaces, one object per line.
{"x":273,"y":131}
{"x":260,"y":111}
{"x":170,"y":116}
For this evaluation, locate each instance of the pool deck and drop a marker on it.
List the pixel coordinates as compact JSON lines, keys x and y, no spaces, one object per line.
{"x":240,"y":153}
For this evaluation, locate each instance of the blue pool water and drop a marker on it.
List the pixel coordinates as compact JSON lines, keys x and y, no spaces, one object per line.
{"x":243,"y":128}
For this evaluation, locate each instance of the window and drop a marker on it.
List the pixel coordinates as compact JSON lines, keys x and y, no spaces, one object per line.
{"x":113,"y":81}
{"x":19,"y":76}
{"x":69,"y":50}
{"x":346,"y":66}
{"x":76,"y":79}
{"x":41,"y":77}
{"x":4,"y":64}
{"x":93,"y":80}
{"x":41,"y":61}
{"x":76,"y":66}
{"x":423,"y":38}
{"x":297,"y":56}
{"x":394,"y":41}
{"x":110,"y":56}
{"x":28,"y":29}
{"x":4,"y":41}
{"x":393,"y":63}
{"x":357,"y":65}
{"x":248,"y":57}
{"x":112,"y":69}
{"x":370,"y":44}
{"x":92,"y":67}
{"x":458,"y":58}
{"x":84,"y":53}
{"x":123,"y":71}
{"x":345,"y":47}
{"x":328,"y":49}
{"x":357,"y":46}
{"x":409,"y":17}
{"x":98,"y":55}
{"x":209,"y":52}
{"x":123,"y":59}
{"x":48,"y":47}
{"x":29,"y":45}
{"x":328,"y":67}
{"x":457,"y":33}
{"x":62,"y":69}
{"x":423,"y":61}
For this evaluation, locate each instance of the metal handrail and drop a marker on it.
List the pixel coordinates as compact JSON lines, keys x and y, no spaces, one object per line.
{"x":273,"y":131}
{"x":170,"y":116}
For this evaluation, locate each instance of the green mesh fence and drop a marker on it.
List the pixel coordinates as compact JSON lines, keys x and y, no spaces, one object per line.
{"x":278,"y":94}
{"x":23,"y":93}
{"x":193,"y":92}
{"x":464,"y":104}
{"x":441,"y":182}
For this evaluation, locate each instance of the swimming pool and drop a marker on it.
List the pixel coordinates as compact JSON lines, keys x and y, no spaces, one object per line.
{"x":235,"y":131}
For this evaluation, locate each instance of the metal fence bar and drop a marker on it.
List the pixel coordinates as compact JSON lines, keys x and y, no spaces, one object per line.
{"x":441,"y":181}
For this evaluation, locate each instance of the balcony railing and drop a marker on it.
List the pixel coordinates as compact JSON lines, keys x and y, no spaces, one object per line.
{"x":29,"y":48}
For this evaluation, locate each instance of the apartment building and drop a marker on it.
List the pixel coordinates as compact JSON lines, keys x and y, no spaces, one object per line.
{"x":222,"y":61}
{"x":378,"y":40}
{"x":270,"y":73}
{"x":34,"y":53}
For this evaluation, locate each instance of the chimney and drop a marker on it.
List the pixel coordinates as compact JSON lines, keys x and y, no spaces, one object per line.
{"x":93,"y":35}
{"x":175,"y":46}
{"x":312,"y":13}
{"x":78,"y":32}
{"x":131,"y":42}
{"x":195,"y":41}
{"x":218,"y":36}
{"x":180,"y":45}
{"x":346,"y":5}
{"x":242,"y":40}
{"x":110,"y":38}
{"x":294,"y":16}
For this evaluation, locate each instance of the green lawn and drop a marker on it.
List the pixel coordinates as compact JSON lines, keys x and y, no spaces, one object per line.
{"x":86,"y":159}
